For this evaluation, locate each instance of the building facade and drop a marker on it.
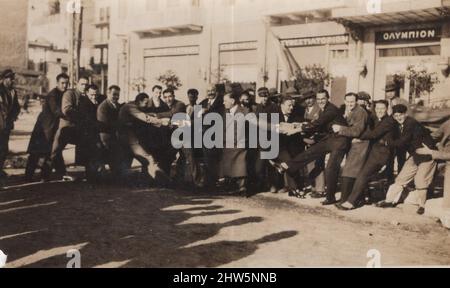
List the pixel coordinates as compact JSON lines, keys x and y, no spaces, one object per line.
{"x":50,"y":34}
{"x":365,"y":45}
{"x":13,"y":35}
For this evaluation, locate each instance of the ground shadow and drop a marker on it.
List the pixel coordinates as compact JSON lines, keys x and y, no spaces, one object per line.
{"x":117,"y":226}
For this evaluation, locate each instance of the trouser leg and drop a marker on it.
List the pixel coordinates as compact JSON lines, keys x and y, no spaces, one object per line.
{"x":401,"y":158}
{"x":147,"y":161}
{"x":289,"y":179}
{"x":445,"y":216}
{"x":332,"y":173}
{"x":423,"y":179}
{"x":446,"y":203}
{"x":301,"y":160}
{"x":4,"y":146}
{"x":317,"y":174}
{"x":63,"y":137}
{"x":346,"y":188}
{"x":374,"y":163}
{"x":193,"y":165}
{"x":59,"y":165}
{"x":32,"y":164}
{"x":212,"y":165}
{"x":405,"y":176}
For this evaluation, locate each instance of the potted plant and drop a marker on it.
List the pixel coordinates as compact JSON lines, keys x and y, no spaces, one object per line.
{"x":138,"y":84}
{"x":170,"y":80}
{"x":312,"y":78}
{"x":422,"y":81}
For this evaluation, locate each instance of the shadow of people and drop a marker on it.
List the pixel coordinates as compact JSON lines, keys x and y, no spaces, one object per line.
{"x":132,"y":227}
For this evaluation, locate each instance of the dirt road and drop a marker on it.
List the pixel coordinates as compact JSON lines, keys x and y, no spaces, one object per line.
{"x":117,"y":227}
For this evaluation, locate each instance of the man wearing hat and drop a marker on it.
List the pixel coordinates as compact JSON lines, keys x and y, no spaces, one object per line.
{"x":334,"y":144}
{"x":298,"y":100}
{"x":364,"y":100}
{"x":274,"y":96}
{"x":9,"y":111}
{"x":393,"y":96}
{"x":212,"y":104}
{"x":315,"y":169}
{"x":260,"y":172}
{"x":420,"y":168}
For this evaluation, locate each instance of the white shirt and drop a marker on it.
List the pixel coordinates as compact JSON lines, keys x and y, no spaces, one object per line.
{"x":233,"y":110}
{"x":211,"y":101}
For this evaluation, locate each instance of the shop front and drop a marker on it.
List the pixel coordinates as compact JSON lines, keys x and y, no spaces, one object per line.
{"x":183,"y":61}
{"x":238,"y":62}
{"x":403,"y":52}
{"x":330,"y":52}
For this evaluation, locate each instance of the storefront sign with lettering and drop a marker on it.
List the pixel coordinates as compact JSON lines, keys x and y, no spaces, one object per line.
{"x":314,"y":41}
{"x":248,"y":45}
{"x":172,"y":51}
{"x":425,"y":34}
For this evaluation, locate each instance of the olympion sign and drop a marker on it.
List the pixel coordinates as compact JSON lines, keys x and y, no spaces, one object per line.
{"x":427,"y":34}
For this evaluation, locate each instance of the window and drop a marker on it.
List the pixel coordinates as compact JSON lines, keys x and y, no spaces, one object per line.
{"x":410,"y":51}
{"x":42,"y":67}
{"x":102,"y":14}
{"x":339,"y":54}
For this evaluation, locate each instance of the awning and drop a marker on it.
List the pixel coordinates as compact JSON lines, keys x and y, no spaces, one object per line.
{"x":394,"y":13}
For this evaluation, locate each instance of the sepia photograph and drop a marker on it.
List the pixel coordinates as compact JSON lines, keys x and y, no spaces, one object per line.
{"x":224,"y":134}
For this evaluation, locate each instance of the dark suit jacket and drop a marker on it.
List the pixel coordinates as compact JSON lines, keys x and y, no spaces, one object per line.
{"x":9,"y":108}
{"x":233,"y":162}
{"x":217,"y":107}
{"x":152,"y":109}
{"x":292,"y":144}
{"x":47,"y":123}
{"x":70,"y":109}
{"x":413,"y":136}
{"x":177,"y":107}
{"x":51,"y":112}
{"x":329,"y":116}
{"x":108,"y":121}
{"x":382,"y":132}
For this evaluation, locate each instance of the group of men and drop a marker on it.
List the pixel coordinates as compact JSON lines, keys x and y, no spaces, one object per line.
{"x":316,"y":137}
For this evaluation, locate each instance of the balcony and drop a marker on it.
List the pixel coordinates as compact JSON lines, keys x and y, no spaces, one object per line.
{"x":101,"y":22}
{"x":169,"y":21}
{"x":101,"y":44}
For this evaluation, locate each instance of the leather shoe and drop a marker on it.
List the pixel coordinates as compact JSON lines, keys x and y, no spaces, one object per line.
{"x":342,"y":208}
{"x":421,"y":211}
{"x":277,"y":167}
{"x":317,"y":195}
{"x":328,"y":202}
{"x":385,"y":204}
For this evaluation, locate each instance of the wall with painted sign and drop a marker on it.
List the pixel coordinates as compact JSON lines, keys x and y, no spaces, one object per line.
{"x":391,"y":51}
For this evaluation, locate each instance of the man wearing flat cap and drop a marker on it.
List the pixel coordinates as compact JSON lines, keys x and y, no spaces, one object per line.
{"x":418,"y":168}
{"x":9,"y":111}
{"x":364,"y":100}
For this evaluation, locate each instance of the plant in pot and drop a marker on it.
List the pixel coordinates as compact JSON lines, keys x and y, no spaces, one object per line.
{"x":170,"y":80}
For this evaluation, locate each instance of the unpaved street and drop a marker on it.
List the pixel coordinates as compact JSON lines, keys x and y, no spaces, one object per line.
{"x":115,"y":227}
{"x":122,"y":227}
